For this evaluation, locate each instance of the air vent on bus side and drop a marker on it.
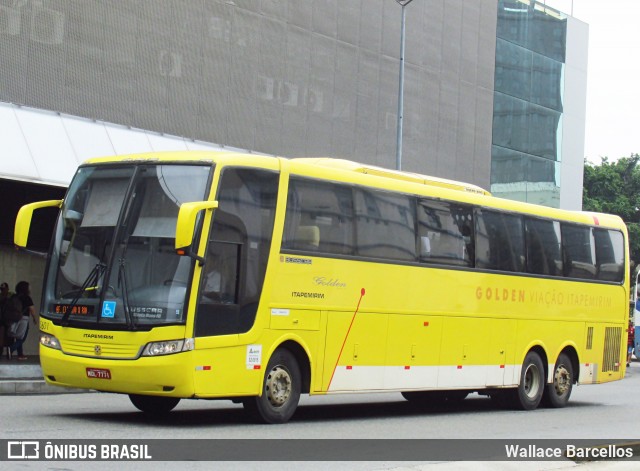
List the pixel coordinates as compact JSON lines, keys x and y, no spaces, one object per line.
{"x":611,"y":357}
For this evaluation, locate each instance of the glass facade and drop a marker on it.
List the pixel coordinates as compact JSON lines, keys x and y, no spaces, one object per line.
{"x":528,"y":102}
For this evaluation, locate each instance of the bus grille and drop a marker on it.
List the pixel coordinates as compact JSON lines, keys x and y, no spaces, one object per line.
{"x":589,"y":338}
{"x":611,"y":358}
{"x":88,"y":349}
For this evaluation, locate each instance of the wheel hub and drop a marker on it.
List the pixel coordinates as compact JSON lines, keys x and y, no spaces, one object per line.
{"x":278,"y":386}
{"x":531,"y":381}
{"x":561,"y":380}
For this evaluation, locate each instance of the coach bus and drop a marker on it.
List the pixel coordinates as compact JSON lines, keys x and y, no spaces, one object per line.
{"x":212,"y":275}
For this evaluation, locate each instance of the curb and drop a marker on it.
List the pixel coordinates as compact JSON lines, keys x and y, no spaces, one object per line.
{"x":20,"y":387}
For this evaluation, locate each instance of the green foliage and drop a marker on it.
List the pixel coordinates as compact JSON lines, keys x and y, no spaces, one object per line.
{"x":614,"y":187}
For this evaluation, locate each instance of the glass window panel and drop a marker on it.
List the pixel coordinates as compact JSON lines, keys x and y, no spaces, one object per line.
{"x":510,"y":122}
{"x":513,"y":69}
{"x":499,"y":241}
{"x":547,"y":82}
{"x":544,"y":252}
{"x":445,"y":233}
{"x":385,"y":225}
{"x":580,"y":254}
{"x":319,"y":217}
{"x":238,"y":250}
{"x":609,"y":254}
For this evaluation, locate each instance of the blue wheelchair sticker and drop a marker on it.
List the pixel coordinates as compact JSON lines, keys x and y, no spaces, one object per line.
{"x":109,"y":309}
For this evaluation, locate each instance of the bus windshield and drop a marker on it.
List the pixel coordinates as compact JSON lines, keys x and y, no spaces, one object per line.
{"x":113,"y":262}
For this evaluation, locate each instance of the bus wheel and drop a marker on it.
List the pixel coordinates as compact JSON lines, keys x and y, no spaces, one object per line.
{"x":528,"y":394}
{"x":154,"y":405}
{"x":280,"y":390}
{"x":557,"y":393}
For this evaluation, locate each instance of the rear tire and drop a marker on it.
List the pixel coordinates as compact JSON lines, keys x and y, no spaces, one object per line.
{"x":557,"y":392}
{"x":528,"y":394}
{"x":154,"y":405}
{"x":281,"y":388}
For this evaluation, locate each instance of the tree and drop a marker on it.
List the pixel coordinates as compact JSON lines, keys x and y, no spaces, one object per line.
{"x":614,"y":187}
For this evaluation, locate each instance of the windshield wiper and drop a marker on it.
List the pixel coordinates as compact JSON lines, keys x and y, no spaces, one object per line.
{"x":90,"y":283}
{"x":122,"y":282}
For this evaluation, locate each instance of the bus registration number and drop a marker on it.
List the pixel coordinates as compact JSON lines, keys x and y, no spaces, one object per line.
{"x":98,"y":373}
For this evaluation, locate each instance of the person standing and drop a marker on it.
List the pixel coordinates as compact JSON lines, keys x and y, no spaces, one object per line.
{"x":28,"y":311}
{"x":5,"y":340}
{"x":4,"y":292}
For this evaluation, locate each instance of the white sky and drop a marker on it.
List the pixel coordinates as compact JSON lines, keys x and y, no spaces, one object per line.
{"x":613,"y":75}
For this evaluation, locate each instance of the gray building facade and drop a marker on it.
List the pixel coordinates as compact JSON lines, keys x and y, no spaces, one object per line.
{"x":285,"y":77}
{"x":539,"y":105}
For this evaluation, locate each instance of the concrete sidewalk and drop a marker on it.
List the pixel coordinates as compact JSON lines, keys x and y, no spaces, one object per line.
{"x":19,"y":377}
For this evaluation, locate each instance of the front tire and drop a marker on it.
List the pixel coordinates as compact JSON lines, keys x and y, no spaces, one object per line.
{"x":154,"y":405}
{"x":280,"y":390}
{"x":557,"y":393}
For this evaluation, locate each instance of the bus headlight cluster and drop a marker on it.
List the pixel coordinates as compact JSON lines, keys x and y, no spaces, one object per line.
{"x":49,"y":341}
{"x":167,"y":347}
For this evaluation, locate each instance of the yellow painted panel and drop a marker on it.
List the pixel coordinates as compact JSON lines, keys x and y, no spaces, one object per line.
{"x":414,"y":340}
{"x":295,"y":319}
{"x":225,"y":372}
{"x":464,"y":341}
{"x":354,"y":340}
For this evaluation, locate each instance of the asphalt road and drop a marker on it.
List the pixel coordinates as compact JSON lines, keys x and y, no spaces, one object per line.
{"x":606,"y":412}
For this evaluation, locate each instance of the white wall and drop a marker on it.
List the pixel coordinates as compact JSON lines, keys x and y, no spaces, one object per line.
{"x":46,"y":147}
{"x":574,"y":115}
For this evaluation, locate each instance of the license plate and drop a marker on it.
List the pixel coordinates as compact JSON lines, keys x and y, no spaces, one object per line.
{"x":98,"y":373}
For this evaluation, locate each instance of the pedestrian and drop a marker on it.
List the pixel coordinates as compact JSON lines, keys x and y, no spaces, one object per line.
{"x":5,"y":340}
{"x":4,"y":292}
{"x":23,"y":292}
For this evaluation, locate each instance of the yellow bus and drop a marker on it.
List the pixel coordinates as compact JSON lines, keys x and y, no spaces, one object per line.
{"x":212,"y":275}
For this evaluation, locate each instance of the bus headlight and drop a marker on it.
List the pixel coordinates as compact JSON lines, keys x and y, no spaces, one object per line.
{"x":167,"y":347}
{"x":50,"y":341}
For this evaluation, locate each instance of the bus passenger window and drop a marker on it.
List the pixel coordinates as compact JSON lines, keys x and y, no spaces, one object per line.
{"x":544,"y":252}
{"x":307,"y":238}
{"x":445,"y":235}
{"x":385,"y":225}
{"x":319,"y":217}
{"x":499,"y":241}
{"x":609,"y":254}
{"x":579,"y":250}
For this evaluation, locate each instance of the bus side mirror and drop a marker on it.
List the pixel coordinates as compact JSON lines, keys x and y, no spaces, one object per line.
{"x":186,"y":224}
{"x":23,"y":220}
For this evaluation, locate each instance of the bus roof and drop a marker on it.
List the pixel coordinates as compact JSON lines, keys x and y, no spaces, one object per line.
{"x":345,"y":167}
{"x":394,"y":174}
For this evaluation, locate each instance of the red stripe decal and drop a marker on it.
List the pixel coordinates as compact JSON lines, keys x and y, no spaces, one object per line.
{"x":362,"y":293}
